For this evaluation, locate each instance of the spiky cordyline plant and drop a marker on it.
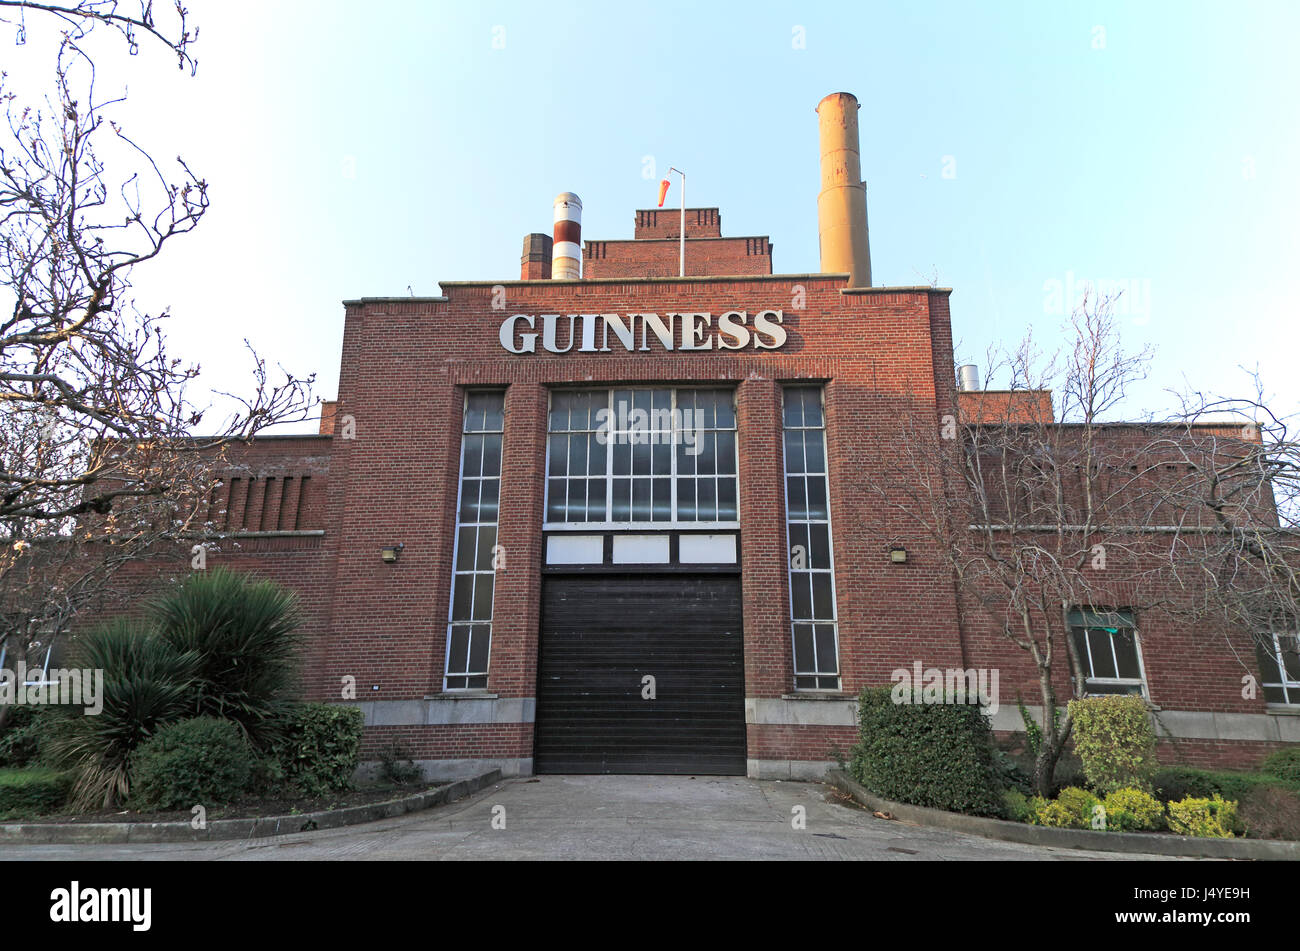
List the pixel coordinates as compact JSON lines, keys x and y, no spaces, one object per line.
{"x":147,"y":683}
{"x":243,"y":631}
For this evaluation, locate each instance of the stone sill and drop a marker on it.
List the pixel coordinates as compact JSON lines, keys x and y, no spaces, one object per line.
{"x":304,"y":533}
{"x":820,"y":695}
{"x":463,"y":695}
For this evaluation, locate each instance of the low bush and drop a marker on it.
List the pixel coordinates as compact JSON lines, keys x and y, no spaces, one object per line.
{"x":397,"y":767}
{"x":1056,"y":814}
{"x":199,"y":761}
{"x":32,"y":792}
{"x":1213,"y":818}
{"x":1114,"y":739}
{"x":319,"y":746}
{"x":937,"y":755}
{"x":1013,"y":773}
{"x":1270,"y":812}
{"x":1016,"y":806}
{"x":20,"y":744}
{"x":1284,"y":764}
{"x":1172,"y":783}
{"x":1133,"y":810}
{"x":1080,"y":802}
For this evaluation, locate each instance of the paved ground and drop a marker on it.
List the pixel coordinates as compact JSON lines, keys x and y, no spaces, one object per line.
{"x":607,"y":817}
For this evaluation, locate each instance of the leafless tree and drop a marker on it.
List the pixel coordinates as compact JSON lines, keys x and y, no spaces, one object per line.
{"x":99,"y":463}
{"x":1030,"y":498}
{"x":1236,"y":552}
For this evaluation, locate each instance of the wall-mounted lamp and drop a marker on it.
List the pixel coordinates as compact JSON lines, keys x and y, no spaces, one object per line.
{"x":391,"y":553}
{"x":898,"y":554}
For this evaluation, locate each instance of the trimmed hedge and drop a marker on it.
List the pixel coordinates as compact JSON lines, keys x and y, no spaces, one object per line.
{"x":1114,"y":739}
{"x":1173,"y":783}
{"x":1284,"y":764}
{"x":202,"y":761}
{"x":320,"y":746}
{"x":33,"y":792}
{"x":928,"y":754}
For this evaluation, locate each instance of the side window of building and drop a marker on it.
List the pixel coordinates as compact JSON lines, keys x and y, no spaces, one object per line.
{"x":814,"y":629}
{"x":1279,"y":665}
{"x":469,"y":631}
{"x":41,"y":656}
{"x":1107,"y":643}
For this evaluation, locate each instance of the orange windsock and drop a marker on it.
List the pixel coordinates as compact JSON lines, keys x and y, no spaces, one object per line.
{"x":663,"y":192}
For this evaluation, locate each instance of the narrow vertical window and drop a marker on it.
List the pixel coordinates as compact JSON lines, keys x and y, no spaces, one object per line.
{"x":808,"y":525}
{"x":469,"y":632}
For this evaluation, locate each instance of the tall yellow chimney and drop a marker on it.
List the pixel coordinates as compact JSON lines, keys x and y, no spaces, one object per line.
{"x":842,"y":202}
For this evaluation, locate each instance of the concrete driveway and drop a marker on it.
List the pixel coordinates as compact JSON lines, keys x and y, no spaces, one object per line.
{"x":607,"y":817}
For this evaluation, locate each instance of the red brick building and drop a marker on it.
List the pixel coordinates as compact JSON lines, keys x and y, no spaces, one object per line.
{"x":624,"y":522}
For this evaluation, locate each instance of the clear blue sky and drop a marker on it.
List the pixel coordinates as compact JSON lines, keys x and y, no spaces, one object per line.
{"x":358,"y":149}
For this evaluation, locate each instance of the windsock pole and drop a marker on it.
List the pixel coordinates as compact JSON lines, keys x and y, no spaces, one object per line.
{"x":681,"y":254}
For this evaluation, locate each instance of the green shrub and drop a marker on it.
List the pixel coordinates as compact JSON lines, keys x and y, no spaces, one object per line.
{"x":1133,"y":810}
{"x":1284,"y":764}
{"x":32,"y":792}
{"x":937,"y":755}
{"x":200,"y":761}
{"x":243,"y":631}
{"x":397,"y":767}
{"x":1114,"y":739}
{"x":1017,"y":806}
{"x":1179,"y":782}
{"x":20,"y":744}
{"x":146,"y":685}
{"x":1012,"y":773}
{"x":1213,"y":818}
{"x":1270,"y":812}
{"x":319,"y":747}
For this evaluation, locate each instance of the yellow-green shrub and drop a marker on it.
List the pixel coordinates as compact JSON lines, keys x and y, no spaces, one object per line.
{"x":1071,"y":809}
{"x":1114,"y":739}
{"x":1132,"y":810}
{"x":1206,"y":818}
{"x":1080,"y":802}
{"x":1054,"y":813}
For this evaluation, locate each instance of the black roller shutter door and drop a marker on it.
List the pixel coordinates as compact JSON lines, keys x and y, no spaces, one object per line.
{"x":601,"y":635}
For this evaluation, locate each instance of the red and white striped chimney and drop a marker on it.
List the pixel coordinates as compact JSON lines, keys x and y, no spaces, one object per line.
{"x":566,"y":253}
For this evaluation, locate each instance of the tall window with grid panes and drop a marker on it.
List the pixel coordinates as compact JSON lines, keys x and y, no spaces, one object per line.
{"x":814,"y":627}
{"x":469,"y":630}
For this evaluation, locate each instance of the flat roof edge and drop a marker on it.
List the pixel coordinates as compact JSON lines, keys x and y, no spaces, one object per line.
{"x":689,"y":279}
{"x":359,"y":301}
